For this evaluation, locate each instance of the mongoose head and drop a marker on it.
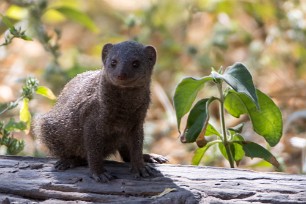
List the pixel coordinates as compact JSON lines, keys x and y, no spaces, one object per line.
{"x":128,"y":64}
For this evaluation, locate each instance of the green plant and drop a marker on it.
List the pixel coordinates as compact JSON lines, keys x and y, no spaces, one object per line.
{"x":49,"y":39}
{"x":39,"y":17}
{"x":13,"y":32}
{"x":240,"y":97}
{"x":7,"y":129}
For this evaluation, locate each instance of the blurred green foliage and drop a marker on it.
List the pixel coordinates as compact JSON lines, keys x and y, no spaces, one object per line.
{"x":190,"y":36}
{"x":10,"y":127}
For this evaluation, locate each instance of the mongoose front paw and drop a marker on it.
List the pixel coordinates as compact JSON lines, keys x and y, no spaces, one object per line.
{"x":61,"y":165}
{"x":155,"y":158}
{"x":103,"y":177}
{"x":145,"y":171}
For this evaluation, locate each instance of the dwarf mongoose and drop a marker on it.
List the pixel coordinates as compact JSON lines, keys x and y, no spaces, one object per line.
{"x":100,"y":112}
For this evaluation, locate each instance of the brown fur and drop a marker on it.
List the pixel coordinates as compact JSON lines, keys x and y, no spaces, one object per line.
{"x":100,"y":112}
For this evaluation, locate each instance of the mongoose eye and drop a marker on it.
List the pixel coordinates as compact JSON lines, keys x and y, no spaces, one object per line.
{"x":113,"y":63}
{"x":136,"y":64}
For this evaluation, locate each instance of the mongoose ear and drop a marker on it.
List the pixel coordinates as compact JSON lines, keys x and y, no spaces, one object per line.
{"x":151,"y":54}
{"x":105,"y":51}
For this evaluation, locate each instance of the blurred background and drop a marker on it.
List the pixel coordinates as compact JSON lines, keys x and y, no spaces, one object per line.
{"x":191,"y":36}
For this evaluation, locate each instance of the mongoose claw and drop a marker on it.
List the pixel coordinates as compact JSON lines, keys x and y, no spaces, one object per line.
{"x":103,"y":177}
{"x":145,"y":171}
{"x":64,"y":164}
{"x":155,"y":158}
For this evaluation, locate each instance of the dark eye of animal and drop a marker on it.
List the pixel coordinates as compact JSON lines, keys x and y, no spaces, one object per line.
{"x":136,"y":64}
{"x":113,"y":63}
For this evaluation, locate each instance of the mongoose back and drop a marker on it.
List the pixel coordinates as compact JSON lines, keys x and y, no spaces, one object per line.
{"x":100,"y":112}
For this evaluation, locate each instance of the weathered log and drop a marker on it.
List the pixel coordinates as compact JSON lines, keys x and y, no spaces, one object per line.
{"x":31,"y":180}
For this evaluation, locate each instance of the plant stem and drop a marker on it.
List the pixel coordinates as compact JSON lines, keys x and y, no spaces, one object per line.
{"x":225,"y":142}
{"x":9,"y":107}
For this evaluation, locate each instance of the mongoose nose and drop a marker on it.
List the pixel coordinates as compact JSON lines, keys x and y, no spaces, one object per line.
{"x":122,"y":76}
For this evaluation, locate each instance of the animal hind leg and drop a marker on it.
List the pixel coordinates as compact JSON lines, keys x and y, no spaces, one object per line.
{"x":124,"y":153}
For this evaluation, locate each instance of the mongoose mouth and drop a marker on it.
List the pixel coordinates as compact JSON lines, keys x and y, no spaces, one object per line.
{"x":129,"y":83}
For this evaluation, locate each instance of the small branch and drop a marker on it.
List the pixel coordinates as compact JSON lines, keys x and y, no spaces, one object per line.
{"x":10,"y":106}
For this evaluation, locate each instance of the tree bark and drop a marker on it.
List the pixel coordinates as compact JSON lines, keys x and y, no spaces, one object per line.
{"x":34,"y":180}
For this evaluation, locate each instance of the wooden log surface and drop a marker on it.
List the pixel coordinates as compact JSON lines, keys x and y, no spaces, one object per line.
{"x":34,"y":180}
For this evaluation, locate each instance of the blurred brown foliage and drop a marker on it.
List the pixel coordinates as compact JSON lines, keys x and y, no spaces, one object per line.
{"x":269,"y":36}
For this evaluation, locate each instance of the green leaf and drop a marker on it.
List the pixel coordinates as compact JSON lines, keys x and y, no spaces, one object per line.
{"x":237,"y":128}
{"x":15,"y":12}
{"x":27,"y":38}
{"x":267,"y":121}
{"x":77,"y":16}
{"x":239,"y":152}
{"x":185,"y":94}
{"x":25,"y":115}
{"x":261,"y":163}
{"x":234,"y":104}
{"x":199,"y":153}
{"x":236,"y":150}
{"x":237,"y":137}
{"x":252,"y":150}
{"x":15,"y":146}
{"x":7,"y":22}
{"x":197,"y":120}
{"x":46,"y":92}
{"x":211,"y":130}
{"x":13,"y":125}
{"x":240,"y":79}
{"x":223,"y":150}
